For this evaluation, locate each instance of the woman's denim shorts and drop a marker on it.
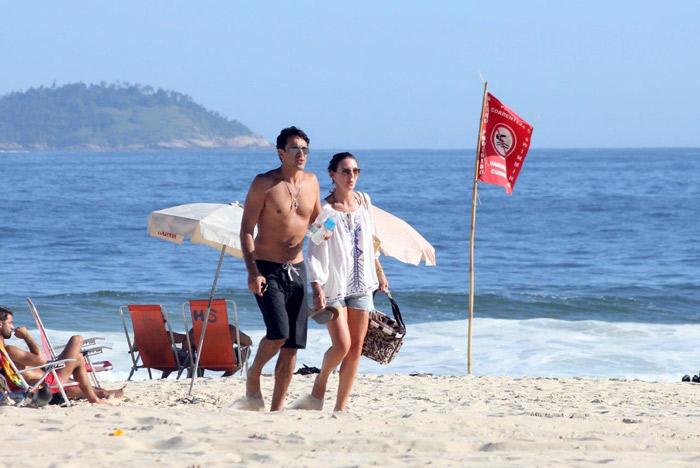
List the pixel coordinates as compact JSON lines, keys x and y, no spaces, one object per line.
{"x":357,"y":301}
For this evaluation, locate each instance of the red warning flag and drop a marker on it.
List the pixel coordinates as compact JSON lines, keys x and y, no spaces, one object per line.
{"x":505,"y":139}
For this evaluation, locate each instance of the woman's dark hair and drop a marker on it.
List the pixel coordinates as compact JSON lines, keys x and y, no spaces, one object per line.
{"x":335,"y":160}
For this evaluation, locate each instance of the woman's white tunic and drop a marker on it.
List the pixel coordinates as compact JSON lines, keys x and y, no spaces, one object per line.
{"x":344,"y":264}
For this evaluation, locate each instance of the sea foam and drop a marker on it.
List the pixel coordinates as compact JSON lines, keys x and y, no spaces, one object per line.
{"x":533,"y":348}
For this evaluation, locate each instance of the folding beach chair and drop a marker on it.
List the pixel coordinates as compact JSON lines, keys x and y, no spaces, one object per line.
{"x":90,"y":348}
{"x":218,"y":352}
{"x":5,"y":392}
{"x":154,"y":344}
{"x":16,"y":388}
{"x":10,"y":396}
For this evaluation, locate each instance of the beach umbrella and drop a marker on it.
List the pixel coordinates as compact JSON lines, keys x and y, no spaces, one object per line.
{"x":212,"y":224}
{"x":396,"y":238}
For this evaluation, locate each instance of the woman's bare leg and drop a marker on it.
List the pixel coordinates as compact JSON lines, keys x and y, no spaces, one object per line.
{"x":357,"y":326}
{"x":340,"y":343}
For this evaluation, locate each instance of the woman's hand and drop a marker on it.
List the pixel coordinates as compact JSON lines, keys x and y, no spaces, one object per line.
{"x":319,"y":297}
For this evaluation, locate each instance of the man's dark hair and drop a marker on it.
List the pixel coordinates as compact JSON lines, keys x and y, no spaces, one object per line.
{"x":4,"y":312}
{"x":290,"y":132}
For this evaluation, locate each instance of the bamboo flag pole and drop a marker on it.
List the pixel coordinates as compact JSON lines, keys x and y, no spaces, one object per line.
{"x":471,"y":233}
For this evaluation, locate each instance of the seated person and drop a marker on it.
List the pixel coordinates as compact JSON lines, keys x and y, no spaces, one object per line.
{"x":73,"y":370}
{"x":246,"y":343}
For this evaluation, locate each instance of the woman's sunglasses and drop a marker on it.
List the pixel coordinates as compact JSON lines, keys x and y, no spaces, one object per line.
{"x":356,"y":171}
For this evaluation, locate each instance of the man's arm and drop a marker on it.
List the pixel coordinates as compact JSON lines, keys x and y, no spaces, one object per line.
{"x":254,"y":203}
{"x":34,"y":357}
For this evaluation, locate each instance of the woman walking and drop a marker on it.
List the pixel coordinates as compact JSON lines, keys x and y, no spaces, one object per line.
{"x":344,"y":272}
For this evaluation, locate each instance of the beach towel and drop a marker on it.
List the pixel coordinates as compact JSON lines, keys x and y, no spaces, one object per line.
{"x":8,"y":371}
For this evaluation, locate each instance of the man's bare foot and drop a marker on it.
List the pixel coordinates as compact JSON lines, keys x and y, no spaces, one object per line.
{"x":109,"y":394}
{"x":307,"y":402}
{"x":249,"y":403}
{"x":100,"y":401}
{"x":252,"y":385}
{"x":116,"y":393}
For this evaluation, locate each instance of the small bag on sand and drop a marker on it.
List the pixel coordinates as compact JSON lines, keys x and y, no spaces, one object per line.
{"x":384,"y":334}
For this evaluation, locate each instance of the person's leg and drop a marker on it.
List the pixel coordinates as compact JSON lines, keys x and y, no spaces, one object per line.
{"x":243,"y":348}
{"x":357,"y":326}
{"x":109,"y":394}
{"x":284,"y":370}
{"x":272,"y":307}
{"x":340,"y":344}
{"x":245,"y":339}
{"x":76,"y":369}
{"x":296,"y":314}
{"x":266,"y":351}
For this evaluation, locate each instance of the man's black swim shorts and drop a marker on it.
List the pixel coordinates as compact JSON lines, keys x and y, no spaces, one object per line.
{"x":283,"y":304}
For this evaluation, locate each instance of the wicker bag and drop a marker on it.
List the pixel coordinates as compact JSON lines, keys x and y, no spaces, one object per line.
{"x":384,"y":334}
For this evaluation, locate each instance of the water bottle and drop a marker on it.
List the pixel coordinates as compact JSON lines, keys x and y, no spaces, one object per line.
{"x":328,"y":225}
{"x":324,"y":222}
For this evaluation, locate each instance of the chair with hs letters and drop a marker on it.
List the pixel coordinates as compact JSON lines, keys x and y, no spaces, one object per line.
{"x":218,"y":352}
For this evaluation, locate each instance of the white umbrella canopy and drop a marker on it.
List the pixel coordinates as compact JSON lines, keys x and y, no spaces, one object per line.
{"x":212,"y":224}
{"x":216,"y":225}
{"x":396,"y":238}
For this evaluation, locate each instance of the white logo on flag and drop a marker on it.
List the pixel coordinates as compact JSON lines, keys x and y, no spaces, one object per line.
{"x":503,"y":139}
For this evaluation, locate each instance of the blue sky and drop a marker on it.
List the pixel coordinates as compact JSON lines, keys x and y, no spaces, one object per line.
{"x":384,"y":74}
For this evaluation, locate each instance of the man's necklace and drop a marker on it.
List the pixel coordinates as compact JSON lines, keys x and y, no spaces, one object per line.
{"x":295,"y":203}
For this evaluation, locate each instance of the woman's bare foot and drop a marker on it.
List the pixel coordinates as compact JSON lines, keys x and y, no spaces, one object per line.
{"x":319,"y":389}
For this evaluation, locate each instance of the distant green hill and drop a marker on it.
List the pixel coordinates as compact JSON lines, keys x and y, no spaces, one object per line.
{"x":115,"y":116}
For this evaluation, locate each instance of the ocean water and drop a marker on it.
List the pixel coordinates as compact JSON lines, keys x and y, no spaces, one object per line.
{"x":589,"y":269}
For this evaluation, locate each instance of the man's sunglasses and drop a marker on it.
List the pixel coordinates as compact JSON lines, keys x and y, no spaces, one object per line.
{"x":356,"y":171}
{"x":296,"y":149}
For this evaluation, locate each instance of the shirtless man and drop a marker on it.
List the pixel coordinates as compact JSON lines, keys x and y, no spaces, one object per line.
{"x":35,"y":357}
{"x":282,"y":203}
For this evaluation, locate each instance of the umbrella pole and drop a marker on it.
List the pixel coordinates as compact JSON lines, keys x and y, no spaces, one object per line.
{"x":206,"y":319}
{"x":471,"y":233}
{"x":238,"y":338}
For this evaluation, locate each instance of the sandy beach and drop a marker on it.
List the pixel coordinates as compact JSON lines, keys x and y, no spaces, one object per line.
{"x":392,"y":420}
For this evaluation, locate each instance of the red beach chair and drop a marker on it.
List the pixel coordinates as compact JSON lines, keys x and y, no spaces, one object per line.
{"x":218,"y":352}
{"x":90,"y":348}
{"x":156,"y":348}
